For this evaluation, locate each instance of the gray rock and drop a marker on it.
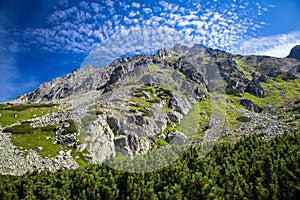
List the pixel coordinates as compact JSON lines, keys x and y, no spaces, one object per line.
{"x":100,"y":141}
{"x":295,"y":53}
{"x":250,"y":105}
{"x":177,"y":138}
{"x":256,"y":89}
{"x":179,"y":104}
{"x":175,"y":117}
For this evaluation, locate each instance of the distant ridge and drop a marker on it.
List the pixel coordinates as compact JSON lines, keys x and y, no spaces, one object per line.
{"x":295,"y":53}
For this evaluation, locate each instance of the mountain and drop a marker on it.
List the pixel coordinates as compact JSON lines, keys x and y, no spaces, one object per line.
{"x":180,"y":96}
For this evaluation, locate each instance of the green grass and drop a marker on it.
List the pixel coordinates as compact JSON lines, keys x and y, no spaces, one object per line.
{"x":88,"y":119}
{"x":22,"y":107}
{"x":276,"y":86}
{"x":258,"y":101}
{"x":72,"y":128}
{"x":242,"y":67}
{"x":153,"y":69}
{"x":23,"y":112}
{"x":173,"y":58}
{"x":160,"y":142}
{"x":141,"y":109}
{"x":243,"y":119}
{"x":25,"y":128}
{"x":273,"y":89}
{"x":141,"y":101}
{"x":232,"y":112}
{"x":37,"y":139}
{"x":80,"y":159}
{"x":199,"y":116}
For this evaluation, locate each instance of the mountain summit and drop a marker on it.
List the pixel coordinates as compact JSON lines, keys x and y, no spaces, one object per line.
{"x":295,"y":53}
{"x":179,"y":96}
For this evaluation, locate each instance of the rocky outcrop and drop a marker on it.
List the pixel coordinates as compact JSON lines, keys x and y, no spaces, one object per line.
{"x":100,"y":140}
{"x":254,"y":86}
{"x":295,"y":53}
{"x":76,"y":82}
{"x":177,"y":137}
{"x":179,"y":104}
{"x":250,"y":105}
{"x":131,"y":144}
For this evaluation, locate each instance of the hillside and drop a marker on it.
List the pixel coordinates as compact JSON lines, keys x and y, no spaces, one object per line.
{"x":149,"y":105}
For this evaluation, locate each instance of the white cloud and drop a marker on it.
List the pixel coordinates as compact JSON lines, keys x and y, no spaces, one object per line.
{"x":168,"y":6}
{"x":276,"y":45}
{"x":147,"y":10}
{"x":132,"y":40}
{"x":82,"y":27}
{"x":136,"y":5}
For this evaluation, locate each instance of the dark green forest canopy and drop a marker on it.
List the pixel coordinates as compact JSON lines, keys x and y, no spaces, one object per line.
{"x":253,"y":168}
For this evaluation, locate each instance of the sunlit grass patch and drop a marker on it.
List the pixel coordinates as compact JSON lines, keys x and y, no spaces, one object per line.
{"x":197,"y":120}
{"x":37,"y":139}
{"x":13,"y":113}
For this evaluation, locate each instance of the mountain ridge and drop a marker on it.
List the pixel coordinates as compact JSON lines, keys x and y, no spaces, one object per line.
{"x":94,"y":77}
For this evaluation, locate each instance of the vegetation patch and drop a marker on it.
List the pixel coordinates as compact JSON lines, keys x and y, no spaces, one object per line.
{"x":243,"y":67}
{"x":197,"y":120}
{"x":143,"y":102}
{"x":153,"y":69}
{"x":22,"y":107}
{"x":261,"y":102}
{"x":25,"y":128}
{"x":34,"y":138}
{"x":243,"y":119}
{"x":280,"y":91}
{"x":259,"y":127}
{"x":13,"y":113}
{"x":232,"y":112}
{"x":160,"y":142}
{"x":134,"y":109}
{"x":79,"y":157}
{"x":72,"y":127}
{"x":86,"y":120}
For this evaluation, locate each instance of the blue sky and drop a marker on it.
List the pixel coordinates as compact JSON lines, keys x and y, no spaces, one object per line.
{"x":44,"y":39}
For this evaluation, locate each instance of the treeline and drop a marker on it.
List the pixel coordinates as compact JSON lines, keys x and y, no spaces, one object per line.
{"x":253,"y":168}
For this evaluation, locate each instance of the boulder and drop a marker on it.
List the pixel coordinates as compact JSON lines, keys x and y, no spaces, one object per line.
{"x":250,"y":105}
{"x":256,"y":89}
{"x":100,"y":141}
{"x":177,"y":137}
{"x":179,"y":104}
{"x":175,"y":117}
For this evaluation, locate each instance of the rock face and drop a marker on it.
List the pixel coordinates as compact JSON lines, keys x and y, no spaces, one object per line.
{"x":254,"y":86}
{"x":76,"y":82}
{"x":100,"y":141}
{"x":250,"y":105}
{"x":295,"y":53}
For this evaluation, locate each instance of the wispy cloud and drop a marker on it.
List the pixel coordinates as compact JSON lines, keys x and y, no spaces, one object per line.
{"x":276,"y":45}
{"x":80,"y":28}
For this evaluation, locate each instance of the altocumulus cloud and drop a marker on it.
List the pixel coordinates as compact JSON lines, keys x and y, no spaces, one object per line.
{"x":82,"y":27}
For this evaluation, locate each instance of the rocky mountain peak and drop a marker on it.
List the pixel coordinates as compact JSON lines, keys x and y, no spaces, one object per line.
{"x":295,"y":53}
